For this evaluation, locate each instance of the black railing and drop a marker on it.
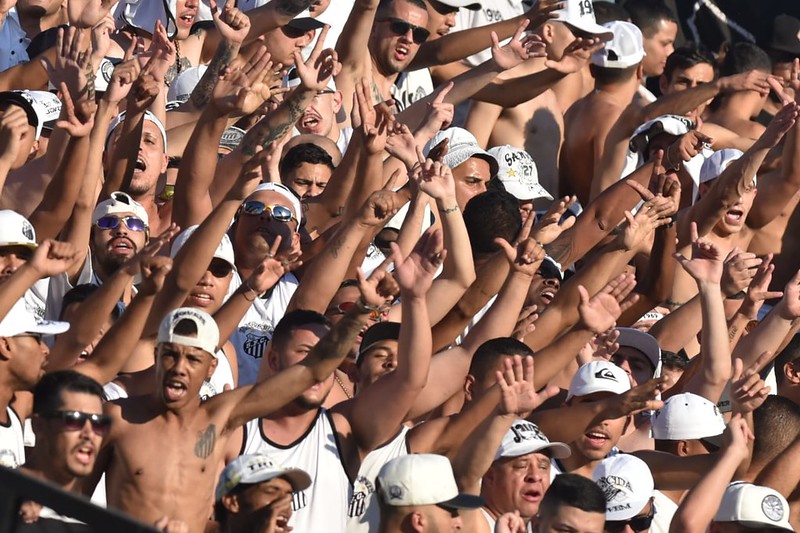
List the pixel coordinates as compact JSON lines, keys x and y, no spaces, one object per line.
{"x":16,"y":488}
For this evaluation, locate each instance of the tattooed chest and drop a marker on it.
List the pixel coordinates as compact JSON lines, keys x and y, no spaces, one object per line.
{"x":180,"y":65}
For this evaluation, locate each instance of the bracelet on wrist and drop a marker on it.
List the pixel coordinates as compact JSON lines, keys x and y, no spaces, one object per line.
{"x":250,"y":293}
{"x":448,"y":210}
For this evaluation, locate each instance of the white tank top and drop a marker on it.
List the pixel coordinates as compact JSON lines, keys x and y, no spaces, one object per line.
{"x":489,"y":519}
{"x":12,"y":441}
{"x":363,"y":513}
{"x":322,"y":506}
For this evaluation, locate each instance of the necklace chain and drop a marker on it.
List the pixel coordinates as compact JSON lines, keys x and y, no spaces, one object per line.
{"x":341,"y":384}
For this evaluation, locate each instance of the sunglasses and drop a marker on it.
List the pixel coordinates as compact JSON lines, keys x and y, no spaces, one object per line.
{"x":637,"y":523}
{"x":76,"y":420}
{"x":219,"y":268}
{"x":401,"y":27}
{"x":343,"y":307}
{"x":280,"y":213}
{"x":112,"y":222}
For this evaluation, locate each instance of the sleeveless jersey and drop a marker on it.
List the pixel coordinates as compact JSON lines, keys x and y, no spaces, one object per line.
{"x":12,"y":441}
{"x":363,"y":513}
{"x":323,"y":505}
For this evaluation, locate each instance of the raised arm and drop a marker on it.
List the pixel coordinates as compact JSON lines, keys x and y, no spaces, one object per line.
{"x":397,"y":391}
{"x":698,"y":508}
{"x":705,"y":267}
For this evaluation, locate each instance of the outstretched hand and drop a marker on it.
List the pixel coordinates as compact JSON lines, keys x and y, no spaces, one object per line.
{"x":553,"y":224}
{"x":518,"y":395}
{"x":748,"y":390}
{"x":316,"y":72}
{"x":414,"y":273}
{"x":600,"y":312}
{"x":705,"y":265}
{"x":518,"y":49}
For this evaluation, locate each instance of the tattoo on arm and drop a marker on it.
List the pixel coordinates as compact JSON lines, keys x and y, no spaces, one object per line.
{"x":206,"y":440}
{"x":267,"y":130}
{"x":732,"y":331}
{"x":205,"y":87}
{"x":292,"y":8}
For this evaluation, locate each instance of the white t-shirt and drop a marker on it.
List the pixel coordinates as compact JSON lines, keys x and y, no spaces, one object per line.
{"x":665,"y":509}
{"x":12,"y":441}
{"x":13,"y":41}
{"x":490,"y":13}
{"x":255,"y":329}
{"x":411,"y":86}
{"x":323,"y":505}
{"x":60,"y":285}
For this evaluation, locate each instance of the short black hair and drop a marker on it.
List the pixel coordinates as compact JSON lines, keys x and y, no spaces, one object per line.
{"x":304,"y":153}
{"x":386,"y":4}
{"x":610,"y":76}
{"x":776,"y":424}
{"x":486,"y":357}
{"x":744,"y":57}
{"x":47,"y":394}
{"x":297,"y":319}
{"x":688,"y":56}
{"x":608,"y":11}
{"x":647,"y":14}
{"x":573,"y":490}
{"x":79,"y":294}
{"x":490,"y":215}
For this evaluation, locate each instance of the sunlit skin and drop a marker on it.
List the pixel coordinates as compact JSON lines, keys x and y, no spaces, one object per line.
{"x":293,"y":350}
{"x":517,"y":483}
{"x":186,"y":13}
{"x":542,"y":291}
{"x":471,"y":178}
{"x":151,"y":161}
{"x":308,"y":179}
{"x":658,"y":47}
{"x":683,"y":79}
{"x":180,"y":373}
{"x":112,"y":247}
{"x":598,"y":440}
{"x":256,"y":233}
{"x":392,"y":53}
{"x":11,"y":258}
{"x":28,"y":355}
{"x":319,"y":117}
{"x":282,"y":43}
{"x":566,"y":519}
{"x":441,"y":19}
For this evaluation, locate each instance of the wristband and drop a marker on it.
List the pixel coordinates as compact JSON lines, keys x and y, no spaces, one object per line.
{"x":447,"y":211}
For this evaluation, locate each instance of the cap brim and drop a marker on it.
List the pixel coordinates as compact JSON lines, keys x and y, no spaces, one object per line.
{"x":523,"y":193}
{"x":557,"y":450}
{"x":466,"y":4}
{"x":595,"y":29}
{"x":305,"y":24}
{"x":494,"y":166}
{"x":48,"y":327}
{"x":463,"y":501}
{"x":31,"y":245}
{"x":16,"y":98}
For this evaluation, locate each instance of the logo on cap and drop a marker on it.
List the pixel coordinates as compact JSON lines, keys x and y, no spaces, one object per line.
{"x":106,"y":69}
{"x":614,"y":487}
{"x":27,"y":230}
{"x":772,"y":507}
{"x":605,"y":373}
{"x":586,"y":7}
{"x":395,"y":492}
{"x":527,"y":432}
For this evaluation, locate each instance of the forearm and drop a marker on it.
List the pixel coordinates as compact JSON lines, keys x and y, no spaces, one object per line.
{"x":736,"y":327}
{"x":659,"y":277}
{"x":230,"y":314}
{"x":334,"y":198}
{"x":331,"y":350}
{"x":14,"y":287}
{"x":354,"y":39}
{"x":223,"y":55}
{"x":192,"y":202}
{"x":716,"y":362}
{"x":412,"y":224}
{"x":458,"y":265}
{"x":514,"y":91}
{"x":477,"y":453}
{"x":767,"y":336}
{"x":554,"y":357}
{"x":125,"y":154}
{"x":679,"y":327}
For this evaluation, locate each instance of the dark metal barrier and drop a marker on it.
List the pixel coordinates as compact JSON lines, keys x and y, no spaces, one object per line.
{"x":16,"y":488}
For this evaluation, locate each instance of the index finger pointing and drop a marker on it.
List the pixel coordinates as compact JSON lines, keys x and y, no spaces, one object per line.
{"x":441,"y":95}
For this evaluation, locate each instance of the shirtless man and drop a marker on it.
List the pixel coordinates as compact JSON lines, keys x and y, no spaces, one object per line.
{"x":659,"y":28}
{"x":617,"y":69}
{"x":179,"y":480}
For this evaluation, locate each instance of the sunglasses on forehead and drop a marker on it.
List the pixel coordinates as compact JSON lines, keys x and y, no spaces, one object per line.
{"x":112,"y":222}
{"x":401,"y":27}
{"x":281,"y":213}
{"x":76,"y":420}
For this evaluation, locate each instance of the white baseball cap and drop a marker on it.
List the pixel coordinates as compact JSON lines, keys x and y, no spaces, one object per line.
{"x":627,"y":484}
{"x":181,"y":88}
{"x":580,"y":15}
{"x":119,"y":202}
{"x":16,"y":230}
{"x":754,"y":506}
{"x":466,"y":4}
{"x":207,"y":330}
{"x":517,"y":171}
{"x":525,"y":437}
{"x":625,"y":49}
{"x":252,"y":469}
{"x":715,"y":165}
{"x":688,"y":416}
{"x":303,"y":21}
{"x":19,"y":320}
{"x":148,"y":115}
{"x":463,"y":145}
{"x":422,"y":479}
{"x":599,"y":376}
{"x":40,"y":106}
{"x":671,"y":124}
{"x":224,"y":249}
{"x":285,"y":191}
{"x":643,"y":342}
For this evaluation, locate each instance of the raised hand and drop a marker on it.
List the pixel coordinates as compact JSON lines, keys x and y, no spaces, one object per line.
{"x":241,"y":87}
{"x":524,"y":257}
{"x":526,"y":322}
{"x":748,"y":390}
{"x":551,"y":226}
{"x":13,"y":128}
{"x":133,"y":265}
{"x":518,"y":396}
{"x":510,"y":523}
{"x":602,"y":347}
{"x":575,"y":56}
{"x":759,"y":292}
{"x":272,"y":269}
{"x":689,"y":145}
{"x":789,"y":306}
{"x":600,"y":312}
{"x":400,"y":144}
{"x":737,"y":438}
{"x":414,"y":273}
{"x":542,"y":11}
{"x":518,"y":49}
{"x":440,"y":113}
{"x":76,"y":120}
{"x":705,"y":266}
{"x":167,"y":525}
{"x":381,"y":205}
{"x":161,"y":54}
{"x":650,"y":216}
{"x":124,"y":75}
{"x":434,"y":179}
{"x":780,"y":125}
{"x":101,"y":39}
{"x":232,"y":24}
{"x":72,"y":65}
{"x":316,"y":72}
{"x":87,"y":13}
{"x":154,"y":272}
{"x":753,"y":80}
{"x":145,"y":88}
{"x":738,"y":270}
{"x":52,"y":258}
{"x":251,"y":175}
{"x":638,"y":399}
{"x":378,"y":290}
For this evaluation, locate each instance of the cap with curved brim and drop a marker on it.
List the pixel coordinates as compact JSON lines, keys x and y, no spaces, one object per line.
{"x":305,"y":24}
{"x":463,"y":501}
{"x":466,"y":4}
{"x":48,"y":327}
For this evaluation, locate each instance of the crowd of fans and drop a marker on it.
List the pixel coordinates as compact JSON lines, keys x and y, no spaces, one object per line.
{"x":399,"y":265}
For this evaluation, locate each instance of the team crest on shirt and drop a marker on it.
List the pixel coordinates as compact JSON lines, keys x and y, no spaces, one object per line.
{"x":362,"y":488}
{"x":299,"y":501}
{"x":255,"y":340}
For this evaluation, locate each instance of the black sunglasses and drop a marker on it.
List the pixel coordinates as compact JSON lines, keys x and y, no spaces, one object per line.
{"x":76,"y":420}
{"x":401,"y":27}
{"x":638,"y":523}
